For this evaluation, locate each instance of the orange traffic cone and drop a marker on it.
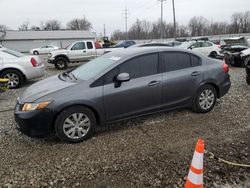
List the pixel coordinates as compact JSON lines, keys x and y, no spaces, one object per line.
{"x":195,"y":174}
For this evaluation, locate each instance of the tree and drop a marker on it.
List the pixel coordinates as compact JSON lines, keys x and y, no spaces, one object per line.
{"x":52,"y":25}
{"x":3,"y":27}
{"x":79,"y":24}
{"x":24,"y":26}
{"x":198,"y":26}
{"x":118,"y":35}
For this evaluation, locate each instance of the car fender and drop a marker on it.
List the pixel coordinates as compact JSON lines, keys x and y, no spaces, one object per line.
{"x":17,"y":67}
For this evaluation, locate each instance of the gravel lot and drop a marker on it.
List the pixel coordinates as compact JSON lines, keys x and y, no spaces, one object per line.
{"x":153,"y":151}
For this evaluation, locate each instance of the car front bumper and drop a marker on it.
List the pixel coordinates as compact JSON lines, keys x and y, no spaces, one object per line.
{"x":35,"y":123}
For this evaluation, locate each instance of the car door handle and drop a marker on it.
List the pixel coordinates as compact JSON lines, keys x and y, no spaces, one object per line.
{"x":196,"y":73}
{"x":154,"y":83}
{"x":84,"y":51}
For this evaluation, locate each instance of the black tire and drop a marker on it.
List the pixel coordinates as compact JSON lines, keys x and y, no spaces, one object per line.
{"x":61,"y":63}
{"x":36,"y":53}
{"x":248,"y":79}
{"x":213,"y":54}
{"x":63,"y":127}
{"x":15,"y":76}
{"x":197,"y":103}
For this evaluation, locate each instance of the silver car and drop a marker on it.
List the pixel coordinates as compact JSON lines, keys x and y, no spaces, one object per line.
{"x":19,"y":68}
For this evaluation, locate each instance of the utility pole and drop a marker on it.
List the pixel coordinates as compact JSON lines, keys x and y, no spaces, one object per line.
{"x":126,"y":22}
{"x":174,"y":19}
{"x":104,"y":30}
{"x":161,"y":17}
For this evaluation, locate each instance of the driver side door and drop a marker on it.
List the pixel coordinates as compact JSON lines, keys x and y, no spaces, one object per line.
{"x":77,"y":51}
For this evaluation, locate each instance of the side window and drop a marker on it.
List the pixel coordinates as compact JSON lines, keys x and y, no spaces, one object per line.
{"x":110,"y":76}
{"x":175,"y":61}
{"x":79,"y":46}
{"x":196,"y":45}
{"x":206,"y":44}
{"x":140,"y":66}
{"x":89,"y":45}
{"x":195,"y":61}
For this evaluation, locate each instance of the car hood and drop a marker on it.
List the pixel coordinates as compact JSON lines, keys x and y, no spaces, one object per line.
{"x":43,"y":88}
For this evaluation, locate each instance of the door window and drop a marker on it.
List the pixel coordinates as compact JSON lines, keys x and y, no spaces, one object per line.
{"x":175,"y":61}
{"x":140,"y":66}
{"x":89,"y":45}
{"x":79,"y":46}
{"x":206,"y":44}
{"x":195,"y":61}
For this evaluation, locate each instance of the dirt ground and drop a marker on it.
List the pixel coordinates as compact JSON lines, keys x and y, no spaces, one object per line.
{"x":153,"y":151}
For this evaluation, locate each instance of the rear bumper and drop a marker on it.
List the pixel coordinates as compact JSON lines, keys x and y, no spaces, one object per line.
{"x":36,"y":72}
{"x":224,"y":89}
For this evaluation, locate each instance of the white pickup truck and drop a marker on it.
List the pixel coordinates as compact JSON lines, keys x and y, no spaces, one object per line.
{"x":76,"y":52}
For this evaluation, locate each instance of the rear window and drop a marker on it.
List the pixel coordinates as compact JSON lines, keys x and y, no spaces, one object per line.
{"x":195,"y":61}
{"x":13,"y":53}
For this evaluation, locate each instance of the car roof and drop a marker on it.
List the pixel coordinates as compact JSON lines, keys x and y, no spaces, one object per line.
{"x":127,"y":53}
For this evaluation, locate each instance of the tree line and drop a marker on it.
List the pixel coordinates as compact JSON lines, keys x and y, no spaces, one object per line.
{"x":74,"y":24}
{"x":197,"y":26}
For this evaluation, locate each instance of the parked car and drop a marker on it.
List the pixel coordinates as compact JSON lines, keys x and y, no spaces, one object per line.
{"x":149,"y":45}
{"x":124,"y":44}
{"x":245,"y":56}
{"x":231,"y":48}
{"x":19,"y":68}
{"x":43,"y":49}
{"x":206,"y":48}
{"x":119,"y":85}
{"x":75,"y":52}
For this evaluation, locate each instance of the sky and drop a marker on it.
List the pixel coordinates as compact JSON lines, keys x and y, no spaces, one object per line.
{"x":13,"y":13}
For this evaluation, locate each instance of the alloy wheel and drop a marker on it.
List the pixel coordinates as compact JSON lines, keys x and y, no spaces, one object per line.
{"x":206,"y":99}
{"x":13,"y":80}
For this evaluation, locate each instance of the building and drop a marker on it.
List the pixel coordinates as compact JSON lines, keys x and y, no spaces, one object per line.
{"x":23,"y":41}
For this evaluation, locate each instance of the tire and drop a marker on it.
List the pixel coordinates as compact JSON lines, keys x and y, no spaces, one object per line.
{"x":248,"y":79}
{"x":213,"y":54}
{"x":68,"y":130}
{"x":16,"y":78}
{"x":36,"y":53}
{"x":205,"y":99}
{"x":61,"y":63}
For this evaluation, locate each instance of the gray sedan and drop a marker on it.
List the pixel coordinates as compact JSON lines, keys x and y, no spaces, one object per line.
{"x":119,"y":85}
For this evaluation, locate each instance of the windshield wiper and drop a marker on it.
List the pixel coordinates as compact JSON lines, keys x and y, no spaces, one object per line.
{"x":69,"y":75}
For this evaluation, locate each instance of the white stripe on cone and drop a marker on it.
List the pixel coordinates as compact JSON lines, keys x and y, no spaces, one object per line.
{"x":197,"y":161}
{"x":196,"y":179}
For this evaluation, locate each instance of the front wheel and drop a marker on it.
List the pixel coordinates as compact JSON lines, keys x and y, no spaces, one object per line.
{"x":75,"y":124}
{"x":61,"y":63}
{"x":205,"y":99}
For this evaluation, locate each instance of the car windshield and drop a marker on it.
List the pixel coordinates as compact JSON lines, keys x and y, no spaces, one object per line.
{"x":185,"y":44}
{"x":92,"y":68}
{"x":13,"y":53}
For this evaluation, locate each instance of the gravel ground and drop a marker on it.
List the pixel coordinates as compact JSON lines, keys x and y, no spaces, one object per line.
{"x":153,"y":151}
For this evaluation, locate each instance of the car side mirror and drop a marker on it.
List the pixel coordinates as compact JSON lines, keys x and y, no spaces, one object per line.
{"x":123,"y":77}
{"x":191,"y":47}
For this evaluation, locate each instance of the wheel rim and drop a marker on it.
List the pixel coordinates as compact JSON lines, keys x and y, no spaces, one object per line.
{"x":61,"y":64}
{"x":76,"y":126}
{"x":13,"y":80}
{"x":206,"y":99}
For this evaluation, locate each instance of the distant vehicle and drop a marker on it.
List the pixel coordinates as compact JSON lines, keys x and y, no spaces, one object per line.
{"x":149,"y":45}
{"x":174,"y":43}
{"x":206,"y":48}
{"x":19,"y":68}
{"x":118,"y":85}
{"x":124,"y":44}
{"x":76,"y":52}
{"x":245,"y":56}
{"x":43,"y":49}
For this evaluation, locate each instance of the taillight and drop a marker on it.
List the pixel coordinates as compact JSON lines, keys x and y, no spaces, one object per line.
{"x":225,"y":67}
{"x":218,"y":45}
{"x":33,"y":62}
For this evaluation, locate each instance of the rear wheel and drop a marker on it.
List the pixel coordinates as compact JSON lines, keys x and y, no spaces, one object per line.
{"x":36,"y":53}
{"x":15,"y":77}
{"x":61,"y":63}
{"x":213,"y":54}
{"x":205,"y":99}
{"x":75,"y":124}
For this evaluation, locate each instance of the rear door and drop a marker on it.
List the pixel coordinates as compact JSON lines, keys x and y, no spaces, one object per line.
{"x":90,"y":53}
{"x":141,"y":94}
{"x":181,"y":78}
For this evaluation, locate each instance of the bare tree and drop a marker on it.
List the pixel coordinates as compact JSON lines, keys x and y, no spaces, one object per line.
{"x":79,"y":24}
{"x":52,"y":25}
{"x":118,"y":35}
{"x":198,"y":26}
{"x":24,"y":26}
{"x":3,"y":27}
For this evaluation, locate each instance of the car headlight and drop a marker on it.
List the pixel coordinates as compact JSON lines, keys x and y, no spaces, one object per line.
{"x":35,"y":106}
